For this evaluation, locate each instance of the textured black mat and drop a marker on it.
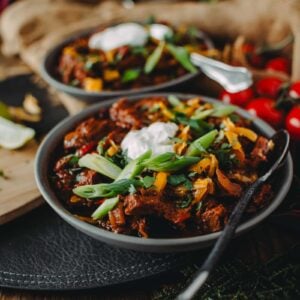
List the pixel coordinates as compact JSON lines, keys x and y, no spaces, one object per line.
{"x":41,"y":251}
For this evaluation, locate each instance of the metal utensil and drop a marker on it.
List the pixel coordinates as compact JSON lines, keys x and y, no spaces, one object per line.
{"x":233,"y":79}
{"x":281,"y":140}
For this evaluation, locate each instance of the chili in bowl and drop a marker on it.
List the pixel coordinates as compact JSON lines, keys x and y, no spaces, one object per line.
{"x":157,"y":172}
{"x":126,"y":58}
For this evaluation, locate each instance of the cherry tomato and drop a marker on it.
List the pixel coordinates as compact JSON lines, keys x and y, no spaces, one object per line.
{"x":268,"y":87}
{"x":239,"y":98}
{"x":294,"y":90}
{"x":292,"y":123}
{"x":264,"y":108}
{"x":280,"y":64}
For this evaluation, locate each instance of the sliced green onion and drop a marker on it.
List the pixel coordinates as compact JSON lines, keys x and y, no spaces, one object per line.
{"x":100,"y":164}
{"x":201,"y":144}
{"x":154,"y":58}
{"x":174,"y":101}
{"x":105,"y":208}
{"x":158,"y":159}
{"x":134,"y":167}
{"x":174,"y":166}
{"x":202,"y":114}
{"x":105,"y":190}
{"x":131,"y":75}
{"x":182,"y":56}
{"x":223,"y":110}
{"x":169,"y":162}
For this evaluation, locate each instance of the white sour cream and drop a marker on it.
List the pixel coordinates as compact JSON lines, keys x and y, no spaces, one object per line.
{"x":160,"y":31}
{"x":155,"y":137}
{"x":120,"y":35}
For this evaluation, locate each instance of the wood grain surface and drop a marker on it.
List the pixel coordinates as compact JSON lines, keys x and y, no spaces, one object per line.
{"x":18,"y":191}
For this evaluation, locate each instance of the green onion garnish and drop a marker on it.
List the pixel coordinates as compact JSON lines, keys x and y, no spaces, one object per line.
{"x":201,"y":144}
{"x":154,"y":58}
{"x":105,"y":208}
{"x":182,"y":56}
{"x":100,"y":164}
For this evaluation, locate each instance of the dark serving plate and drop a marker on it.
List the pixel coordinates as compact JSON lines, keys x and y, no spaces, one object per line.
{"x":49,"y":65}
{"x":281,"y":184}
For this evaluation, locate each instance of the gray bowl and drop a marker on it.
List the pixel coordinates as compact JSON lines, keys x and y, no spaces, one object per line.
{"x":53,"y":142}
{"x":49,"y":65}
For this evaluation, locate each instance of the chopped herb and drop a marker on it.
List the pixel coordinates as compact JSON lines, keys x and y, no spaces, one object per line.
{"x":148,"y":181}
{"x":74,"y":160}
{"x":119,"y":159}
{"x":180,"y":179}
{"x":199,"y":127}
{"x":131,"y":75}
{"x":234,"y":118}
{"x":185,"y":202}
{"x":226,"y":158}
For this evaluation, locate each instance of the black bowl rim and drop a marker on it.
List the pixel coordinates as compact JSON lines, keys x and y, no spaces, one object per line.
{"x":81,"y":93}
{"x":55,"y":136}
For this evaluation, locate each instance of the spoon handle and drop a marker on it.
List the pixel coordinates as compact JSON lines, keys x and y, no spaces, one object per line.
{"x":233,"y":79}
{"x":221,"y":244}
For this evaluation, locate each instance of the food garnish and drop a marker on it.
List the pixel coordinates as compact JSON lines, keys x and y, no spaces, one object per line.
{"x":175,"y":166}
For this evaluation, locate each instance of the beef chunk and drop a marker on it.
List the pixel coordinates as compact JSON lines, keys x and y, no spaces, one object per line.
{"x":214,"y":219}
{"x":89,"y":130}
{"x":148,"y":202}
{"x":260,"y":151}
{"x":125,"y":114}
{"x":87,"y":177}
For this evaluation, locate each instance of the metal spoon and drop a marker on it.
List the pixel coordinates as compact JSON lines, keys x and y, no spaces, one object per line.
{"x":281,"y":140}
{"x":233,"y":79}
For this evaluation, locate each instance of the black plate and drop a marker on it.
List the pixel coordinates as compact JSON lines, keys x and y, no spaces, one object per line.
{"x":14,"y":89}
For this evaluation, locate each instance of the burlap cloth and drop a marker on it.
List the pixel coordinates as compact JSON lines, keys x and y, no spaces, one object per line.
{"x":29,"y":28}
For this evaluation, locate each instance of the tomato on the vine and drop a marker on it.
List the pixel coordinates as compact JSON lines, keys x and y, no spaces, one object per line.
{"x":292,"y":123}
{"x":265,"y":109}
{"x":294,"y":90}
{"x":239,"y":98}
{"x":269,"y":86}
{"x":280,"y":64}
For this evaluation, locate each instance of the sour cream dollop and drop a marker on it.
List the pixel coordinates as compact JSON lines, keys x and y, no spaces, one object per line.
{"x":155,"y":137}
{"x":120,"y":35}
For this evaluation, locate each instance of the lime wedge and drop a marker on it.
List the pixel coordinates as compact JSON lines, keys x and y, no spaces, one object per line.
{"x":12,"y":135}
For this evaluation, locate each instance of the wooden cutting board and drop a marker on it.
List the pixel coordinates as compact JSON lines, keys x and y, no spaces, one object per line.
{"x":18,"y":190}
